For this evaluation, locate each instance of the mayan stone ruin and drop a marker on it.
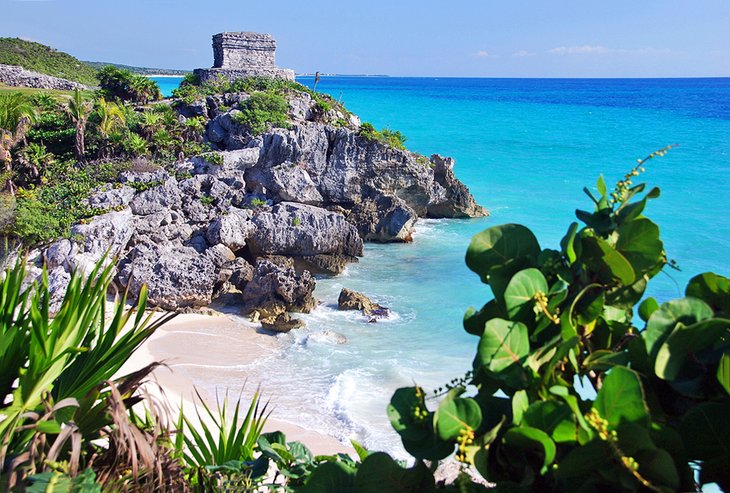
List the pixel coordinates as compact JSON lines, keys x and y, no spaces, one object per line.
{"x":238,"y":55}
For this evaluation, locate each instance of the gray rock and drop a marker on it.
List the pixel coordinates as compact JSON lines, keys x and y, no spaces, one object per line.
{"x":157,"y":199}
{"x":384,"y":220}
{"x":107,"y":234}
{"x":176,"y":276}
{"x":58,"y":280}
{"x":58,"y":254}
{"x":456,"y":201}
{"x":303,"y":230}
{"x":325,"y":264}
{"x":13,"y":75}
{"x":112,"y":198}
{"x":158,"y":176}
{"x":241,"y":273}
{"x":220,"y":255}
{"x":285,"y":182}
{"x":275,"y":290}
{"x":231,"y":230}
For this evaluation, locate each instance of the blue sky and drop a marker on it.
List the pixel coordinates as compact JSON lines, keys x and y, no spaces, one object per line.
{"x":475,"y":38}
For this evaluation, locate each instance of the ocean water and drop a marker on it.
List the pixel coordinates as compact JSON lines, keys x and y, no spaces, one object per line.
{"x":525,"y":148}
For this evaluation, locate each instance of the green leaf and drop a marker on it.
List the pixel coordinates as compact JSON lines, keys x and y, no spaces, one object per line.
{"x":723,"y":372}
{"x":503,"y":344}
{"x":585,"y":460}
{"x":547,"y":415}
{"x":639,"y":243}
{"x":713,"y":289}
{"x":496,"y":245}
{"x":601,"y":185}
{"x":379,"y":473}
{"x":456,"y":414}
{"x":606,"y":261}
{"x":568,"y":243}
{"x":520,"y":292}
{"x":605,"y":359}
{"x":331,"y":477}
{"x":662,"y":322}
{"x":705,"y":431}
{"x":647,"y":307}
{"x":621,"y":398}
{"x":685,"y":342}
{"x":657,"y":466}
{"x":526,"y":438}
{"x":359,"y":449}
{"x":418,"y":436}
{"x":474,"y":321}
{"x":520,"y":402}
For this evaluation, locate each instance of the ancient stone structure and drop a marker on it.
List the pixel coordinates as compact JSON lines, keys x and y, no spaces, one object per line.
{"x":238,"y":55}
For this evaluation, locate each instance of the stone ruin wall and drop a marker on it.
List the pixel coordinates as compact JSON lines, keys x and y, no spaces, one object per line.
{"x":244,"y":50}
{"x":244,"y":54}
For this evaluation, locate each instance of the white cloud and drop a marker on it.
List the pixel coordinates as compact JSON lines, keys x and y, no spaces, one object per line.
{"x":482,"y":54}
{"x":602,"y":50}
{"x":522,"y":53}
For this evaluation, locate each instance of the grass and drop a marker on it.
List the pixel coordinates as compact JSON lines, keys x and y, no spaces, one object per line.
{"x":30,"y":91}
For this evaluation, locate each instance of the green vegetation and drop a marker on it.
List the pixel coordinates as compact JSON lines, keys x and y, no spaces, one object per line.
{"x":122,"y":85}
{"x":568,"y":391}
{"x":139,"y":70}
{"x":41,"y":58}
{"x":261,"y":111}
{"x":55,"y":153}
{"x":392,"y":138}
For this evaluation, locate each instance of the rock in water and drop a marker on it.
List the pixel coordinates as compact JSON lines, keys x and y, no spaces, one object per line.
{"x":281,"y":323}
{"x":353,"y":300}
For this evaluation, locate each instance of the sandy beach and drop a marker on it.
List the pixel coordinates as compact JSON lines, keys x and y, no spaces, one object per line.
{"x":193,"y":345}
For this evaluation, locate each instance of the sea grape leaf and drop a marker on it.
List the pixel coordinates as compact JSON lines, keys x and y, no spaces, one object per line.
{"x":418,"y":436}
{"x":379,"y":473}
{"x":685,"y":342}
{"x":474,"y":321}
{"x":647,"y":307}
{"x":723,"y":372}
{"x":547,"y":415}
{"x":658,"y":467}
{"x":606,"y":261}
{"x":568,"y":243}
{"x":639,"y":243}
{"x":521,"y":290}
{"x":520,"y":402}
{"x":496,"y":245}
{"x":525,"y":437}
{"x":663,"y":321}
{"x":705,"y":431}
{"x":584,"y":460}
{"x":604,"y":359}
{"x":331,"y":477}
{"x":713,"y":289}
{"x":456,"y":414}
{"x":504,"y":343}
{"x":621,"y":398}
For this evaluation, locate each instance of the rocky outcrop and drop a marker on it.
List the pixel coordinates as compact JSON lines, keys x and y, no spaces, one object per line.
{"x":277,"y":289}
{"x":281,"y":323}
{"x":176,"y":276}
{"x":261,"y":214}
{"x":13,"y":75}
{"x":353,"y":300}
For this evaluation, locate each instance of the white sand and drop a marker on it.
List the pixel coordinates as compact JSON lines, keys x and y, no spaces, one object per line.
{"x":190,"y":344}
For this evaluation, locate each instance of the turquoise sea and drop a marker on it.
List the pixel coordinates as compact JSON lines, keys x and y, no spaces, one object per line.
{"x":525,"y":148}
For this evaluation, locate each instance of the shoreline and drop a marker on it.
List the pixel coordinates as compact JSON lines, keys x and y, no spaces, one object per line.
{"x":192,"y":342}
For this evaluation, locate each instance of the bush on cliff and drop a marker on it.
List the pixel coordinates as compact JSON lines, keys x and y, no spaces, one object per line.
{"x":122,"y":85}
{"x":263,"y":110}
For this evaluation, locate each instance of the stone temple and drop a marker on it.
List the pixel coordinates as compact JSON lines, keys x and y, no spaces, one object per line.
{"x":238,"y":55}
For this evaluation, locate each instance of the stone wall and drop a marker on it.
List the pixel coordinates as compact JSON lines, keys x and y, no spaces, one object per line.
{"x":244,"y":51}
{"x":15,"y":76}
{"x":243,"y":54}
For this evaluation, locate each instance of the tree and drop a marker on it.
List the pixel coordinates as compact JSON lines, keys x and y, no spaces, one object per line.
{"x":143,"y":89}
{"x":111,"y":117}
{"x":79,"y":110}
{"x":17,"y":113}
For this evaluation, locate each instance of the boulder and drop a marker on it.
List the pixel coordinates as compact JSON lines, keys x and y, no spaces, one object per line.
{"x":231,"y":230}
{"x":107,"y":234}
{"x":284,"y":182}
{"x":325,"y":264}
{"x":281,"y":323}
{"x":275,"y":290}
{"x":353,"y":300}
{"x":112,"y":198}
{"x":455,"y":200}
{"x":241,"y":273}
{"x":386,"y":219}
{"x":160,"y":197}
{"x":176,"y":276}
{"x":299,"y":230}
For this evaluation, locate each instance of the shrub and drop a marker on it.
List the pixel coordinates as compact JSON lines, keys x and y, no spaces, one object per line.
{"x":562,"y":319}
{"x":388,"y":137}
{"x":261,"y":111}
